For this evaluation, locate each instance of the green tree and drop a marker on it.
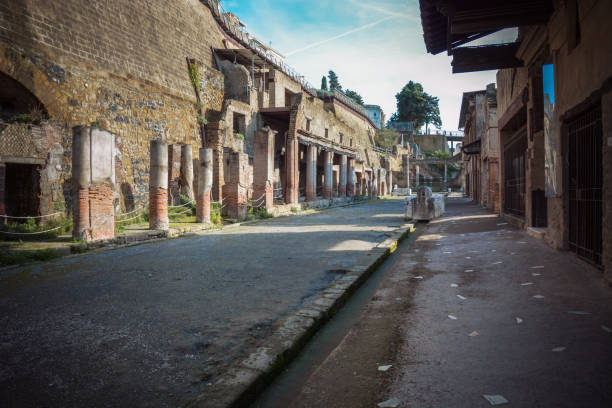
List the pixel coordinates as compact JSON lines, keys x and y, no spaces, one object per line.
{"x":416,"y":106}
{"x":324,"y":83}
{"x":334,"y":83}
{"x":354,"y":96}
{"x":432,"y":112}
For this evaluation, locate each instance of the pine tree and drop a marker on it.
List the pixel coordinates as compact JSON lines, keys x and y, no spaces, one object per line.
{"x":334,"y":83}
{"x":324,"y":83}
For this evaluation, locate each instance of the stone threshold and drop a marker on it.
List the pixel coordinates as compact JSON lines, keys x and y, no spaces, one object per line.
{"x":241,"y":384}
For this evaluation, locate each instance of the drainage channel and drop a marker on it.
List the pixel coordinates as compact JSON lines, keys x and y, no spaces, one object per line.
{"x":282,"y":390}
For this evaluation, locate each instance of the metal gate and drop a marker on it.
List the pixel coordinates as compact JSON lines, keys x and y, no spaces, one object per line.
{"x":585,"y":179}
{"x":514,"y":174}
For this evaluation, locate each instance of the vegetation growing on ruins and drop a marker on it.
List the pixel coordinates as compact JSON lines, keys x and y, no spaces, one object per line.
{"x":334,"y":82}
{"x":417,"y":106}
{"x":354,"y":96}
{"x":387,"y":138}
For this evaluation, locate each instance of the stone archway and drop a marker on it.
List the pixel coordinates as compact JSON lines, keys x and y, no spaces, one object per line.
{"x":31,"y":154}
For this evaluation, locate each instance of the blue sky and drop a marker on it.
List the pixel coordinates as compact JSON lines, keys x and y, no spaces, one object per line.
{"x":375,"y":47}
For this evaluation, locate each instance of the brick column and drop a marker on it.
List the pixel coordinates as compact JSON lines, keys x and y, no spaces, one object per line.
{"x":93,"y":178}
{"x":328,"y":158}
{"x":342,"y":184}
{"x":350,"y":183}
{"x":236,"y":186}
{"x":311,"y":173}
{"x":214,"y":134}
{"x":2,"y":192}
{"x":263,"y":167}
{"x":204,"y":186}
{"x":158,"y":186}
{"x":174,"y":174}
{"x":406,"y":169}
{"x":292,"y":162}
{"x":187,"y":171}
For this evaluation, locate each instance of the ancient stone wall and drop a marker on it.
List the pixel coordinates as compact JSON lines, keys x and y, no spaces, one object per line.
{"x":119,"y":65}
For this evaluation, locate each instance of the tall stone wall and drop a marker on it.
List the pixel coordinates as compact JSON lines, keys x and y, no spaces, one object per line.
{"x":120,"y":65}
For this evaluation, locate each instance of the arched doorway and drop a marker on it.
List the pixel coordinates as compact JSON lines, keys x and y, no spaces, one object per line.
{"x":22,"y":155}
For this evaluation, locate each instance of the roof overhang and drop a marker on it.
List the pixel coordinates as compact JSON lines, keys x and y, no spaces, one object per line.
{"x":276,"y":113}
{"x":310,"y":139}
{"x":472,"y":148}
{"x":448,"y":24}
{"x":483,"y":58}
{"x":242,"y":56}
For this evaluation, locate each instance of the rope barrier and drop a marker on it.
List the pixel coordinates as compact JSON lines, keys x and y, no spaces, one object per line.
{"x":27,"y":218}
{"x":179,"y":213}
{"x":128,"y":219}
{"x":132,"y":212}
{"x":182,"y":205}
{"x":30,"y":233}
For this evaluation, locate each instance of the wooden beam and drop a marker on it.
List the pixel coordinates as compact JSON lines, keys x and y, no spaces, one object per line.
{"x":470,"y":59}
{"x":477,"y":16}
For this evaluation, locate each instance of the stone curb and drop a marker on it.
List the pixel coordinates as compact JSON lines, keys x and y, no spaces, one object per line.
{"x":240,"y":385}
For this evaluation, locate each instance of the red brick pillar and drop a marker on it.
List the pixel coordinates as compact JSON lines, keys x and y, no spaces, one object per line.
{"x":358,"y":184}
{"x":93,"y":177}
{"x":328,"y":158}
{"x":2,"y":192}
{"x":342,"y":184}
{"x":350,"y":184}
{"x":214,"y":133}
{"x":204,"y":187}
{"x":174,"y":174}
{"x":311,"y":173}
{"x":263,"y":168}
{"x":158,"y":186}
{"x":292,"y":163}
{"x":389,"y":181}
{"x":236,"y":186}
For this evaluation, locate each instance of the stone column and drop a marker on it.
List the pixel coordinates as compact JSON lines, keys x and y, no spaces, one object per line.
{"x":382,"y":176}
{"x":416,"y":175}
{"x":389,"y":181}
{"x":2,"y":192}
{"x":187,"y":171}
{"x":374,"y":183}
{"x":406,"y":169}
{"x":236,"y":186}
{"x":311,"y":173}
{"x":342,"y":184}
{"x":263,"y":168}
{"x":214,"y":134}
{"x":350,"y":184}
{"x":158,"y":186}
{"x":292,"y":162}
{"x":444,"y":189}
{"x":328,"y":158}
{"x":93,"y":176}
{"x":204,"y":186}
{"x":174,"y":174}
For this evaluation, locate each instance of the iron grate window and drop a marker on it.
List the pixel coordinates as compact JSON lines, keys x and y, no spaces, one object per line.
{"x":585,"y":180}
{"x":514,"y":175}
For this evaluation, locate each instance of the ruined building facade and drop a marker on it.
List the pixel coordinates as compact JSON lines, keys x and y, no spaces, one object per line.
{"x":478,"y":119}
{"x":183,"y":73}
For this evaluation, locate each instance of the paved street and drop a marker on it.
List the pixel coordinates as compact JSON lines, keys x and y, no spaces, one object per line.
{"x":153,"y":325}
{"x":495,"y":313}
